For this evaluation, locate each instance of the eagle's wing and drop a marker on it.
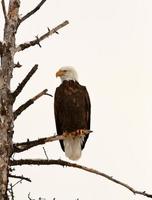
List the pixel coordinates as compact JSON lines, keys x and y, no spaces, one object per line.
{"x":58,"y":115}
{"x":87,"y":114}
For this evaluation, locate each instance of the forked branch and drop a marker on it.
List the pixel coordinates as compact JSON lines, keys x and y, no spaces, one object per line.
{"x":37,"y":41}
{"x":32,"y":11}
{"x":74,"y":165}
{"x":28,"y":103}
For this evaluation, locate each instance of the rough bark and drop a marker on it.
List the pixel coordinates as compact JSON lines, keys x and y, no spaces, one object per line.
{"x":6,"y":112}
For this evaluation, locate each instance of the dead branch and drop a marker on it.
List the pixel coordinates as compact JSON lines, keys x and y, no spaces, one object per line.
{"x":23,"y":83}
{"x":20,"y":147}
{"x":37,"y":41}
{"x":28,"y":103}
{"x":20,"y":177}
{"x":4,"y":10}
{"x":74,"y":165}
{"x":32,"y":11}
{"x":20,"y":181}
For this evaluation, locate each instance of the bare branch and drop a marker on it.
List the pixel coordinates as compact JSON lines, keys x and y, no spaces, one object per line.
{"x":20,"y":177}
{"x":74,"y":165}
{"x":23,"y":83}
{"x":20,"y":147}
{"x":4,"y":10}
{"x":20,"y":181}
{"x":28,"y":103}
{"x":32,"y":11}
{"x":37,"y":41}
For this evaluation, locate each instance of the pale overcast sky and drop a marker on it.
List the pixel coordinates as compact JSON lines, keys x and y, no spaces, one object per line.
{"x":110,"y":45}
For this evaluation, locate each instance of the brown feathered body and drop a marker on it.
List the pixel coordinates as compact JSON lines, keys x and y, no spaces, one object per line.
{"x":72,"y":109}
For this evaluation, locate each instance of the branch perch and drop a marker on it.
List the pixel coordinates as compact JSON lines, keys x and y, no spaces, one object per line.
{"x":32,"y":11}
{"x":74,"y":165}
{"x":20,"y":147}
{"x":28,"y":103}
{"x":23,"y":83}
{"x":37,"y":41}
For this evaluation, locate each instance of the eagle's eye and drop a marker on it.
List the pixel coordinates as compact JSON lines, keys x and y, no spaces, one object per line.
{"x":64,"y":70}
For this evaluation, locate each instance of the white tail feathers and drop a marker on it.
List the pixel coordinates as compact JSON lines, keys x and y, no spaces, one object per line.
{"x":72,"y":146}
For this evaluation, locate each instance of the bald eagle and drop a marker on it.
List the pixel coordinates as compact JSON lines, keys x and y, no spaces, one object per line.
{"x":72,"y":112}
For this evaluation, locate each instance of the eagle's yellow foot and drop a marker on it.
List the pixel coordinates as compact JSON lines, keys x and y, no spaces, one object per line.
{"x":82,"y":132}
{"x":79,"y":132}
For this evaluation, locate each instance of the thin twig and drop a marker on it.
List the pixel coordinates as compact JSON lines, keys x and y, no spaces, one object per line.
{"x":29,"y":196}
{"x":74,"y":165}
{"x":20,"y":181}
{"x":28,"y":103}
{"x":20,"y":177}
{"x":37,"y":41}
{"x":4,"y":10}
{"x":24,"y":81}
{"x":45,"y":153}
{"x":11,"y":191}
{"x":32,"y":11}
{"x":49,"y":94}
{"x":20,"y":147}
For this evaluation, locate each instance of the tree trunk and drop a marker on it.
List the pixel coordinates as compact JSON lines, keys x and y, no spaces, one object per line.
{"x":6,"y":112}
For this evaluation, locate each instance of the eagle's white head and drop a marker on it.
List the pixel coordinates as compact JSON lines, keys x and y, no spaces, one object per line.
{"x":67,"y":73}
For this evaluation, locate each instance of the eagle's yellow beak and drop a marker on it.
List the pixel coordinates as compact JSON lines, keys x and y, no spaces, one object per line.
{"x":59,"y":73}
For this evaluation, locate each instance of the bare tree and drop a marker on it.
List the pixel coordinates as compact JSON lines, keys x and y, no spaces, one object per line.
{"x":8,"y":49}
